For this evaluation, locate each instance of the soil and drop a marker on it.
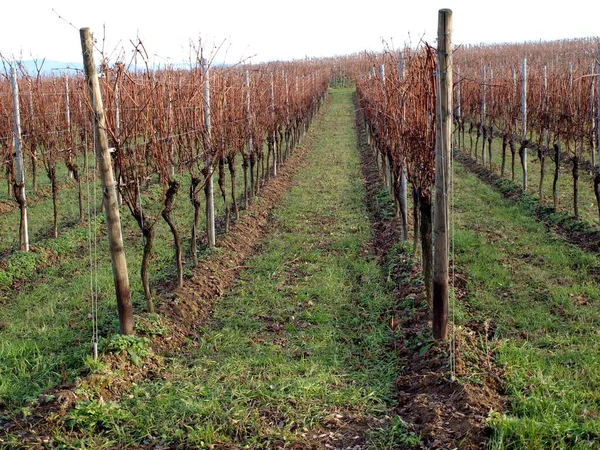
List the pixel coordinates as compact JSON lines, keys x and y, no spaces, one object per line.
{"x":6,"y":206}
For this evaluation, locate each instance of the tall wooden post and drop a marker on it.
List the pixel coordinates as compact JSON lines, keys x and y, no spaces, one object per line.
{"x":33,"y":150}
{"x":598,"y":107}
{"x":483,"y":103}
{"x":597,"y":177}
{"x":210,"y":200}
{"x":68,"y":113}
{"x":19,"y":188}
{"x":387,"y":170}
{"x":514,"y":77}
{"x":111,"y":208}
{"x":67,"y":104}
{"x":592,"y":119}
{"x":441,"y":222}
{"x":524,"y":123}
{"x":287,"y":115}
{"x":273,"y":121}
{"x":458,"y":111}
{"x":403,"y":200}
{"x":249,"y":140}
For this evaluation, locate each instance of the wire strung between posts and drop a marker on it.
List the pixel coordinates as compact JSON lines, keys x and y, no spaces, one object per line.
{"x":450,"y":188}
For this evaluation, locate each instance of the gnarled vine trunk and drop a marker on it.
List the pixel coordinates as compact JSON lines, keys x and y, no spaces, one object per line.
{"x":490,"y":138}
{"x":221,"y":181}
{"x":426,"y":246}
{"x":166,"y":215}
{"x":232,"y":175}
{"x":504,"y":144}
{"x":416,"y":221}
{"x":511,"y":144}
{"x":22,"y":202}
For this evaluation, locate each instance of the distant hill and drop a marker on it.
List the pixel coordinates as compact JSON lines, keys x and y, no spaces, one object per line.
{"x":57,"y":67}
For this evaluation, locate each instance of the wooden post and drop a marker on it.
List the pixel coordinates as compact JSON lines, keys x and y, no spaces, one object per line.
{"x":111,"y":208}
{"x":387,"y":171}
{"x":19,"y":188}
{"x":403,"y":198}
{"x":33,"y":150}
{"x":598,"y":107}
{"x":490,"y":135}
{"x":592,"y":120}
{"x":546,"y":138}
{"x":210,"y":200}
{"x":67,"y":106}
{"x":458,"y":111}
{"x":441,"y":222}
{"x":249,"y":139}
{"x":117,"y":110}
{"x":273,"y":120}
{"x":597,"y":177}
{"x":287,"y":115}
{"x":524,"y":123}
{"x":483,"y":80}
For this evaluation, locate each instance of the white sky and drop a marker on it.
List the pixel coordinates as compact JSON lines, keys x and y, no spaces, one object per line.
{"x":279,"y":29}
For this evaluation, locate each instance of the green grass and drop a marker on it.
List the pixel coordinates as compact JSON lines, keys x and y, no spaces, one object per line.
{"x":543,"y":293}
{"x":295,"y":342}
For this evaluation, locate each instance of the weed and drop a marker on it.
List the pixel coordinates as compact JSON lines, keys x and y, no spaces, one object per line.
{"x":150,"y":325}
{"x":95,"y":414}
{"x":396,"y":434}
{"x":134,"y":346}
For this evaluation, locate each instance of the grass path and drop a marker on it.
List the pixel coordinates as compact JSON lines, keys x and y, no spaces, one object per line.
{"x":542,"y":294}
{"x":295,"y":352}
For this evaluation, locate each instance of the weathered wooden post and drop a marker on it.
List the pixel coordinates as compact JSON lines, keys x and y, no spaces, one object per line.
{"x":249,"y":140}
{"x":402,"y":195}
{"x":490,"y":134}
{"x":386,"y":163}
{"x":19,"y":187}
{"x":597,"y":177}
{"x":598,"y":106}
{"x":33,"y":150}
{"x":274,"y":139}
{"x":458,"y":111}
{"x":111,"y":208}
{"x":441,"y":222}
{"x":67,"y":104}
{"x":524,"y":124}
{"x":483,"y":113}
{"x":210,"y":198}
{"x":592,"y":121}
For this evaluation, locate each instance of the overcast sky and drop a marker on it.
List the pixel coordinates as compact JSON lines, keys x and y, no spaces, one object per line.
{"x":281,"y":29}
